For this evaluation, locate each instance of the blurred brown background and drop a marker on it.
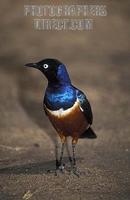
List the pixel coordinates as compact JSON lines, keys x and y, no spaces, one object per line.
{"x":99,"y":63}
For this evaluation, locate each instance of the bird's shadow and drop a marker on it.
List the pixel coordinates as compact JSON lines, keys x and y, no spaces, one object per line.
{"x":34,"y":168}
{"x":31,"y":168}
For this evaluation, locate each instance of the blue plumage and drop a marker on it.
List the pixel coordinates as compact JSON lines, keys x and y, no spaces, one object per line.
{"x":85,"y":106}
{"x":57,"y":97}
{"x":63,"y":76}
{"x":60,"y":94}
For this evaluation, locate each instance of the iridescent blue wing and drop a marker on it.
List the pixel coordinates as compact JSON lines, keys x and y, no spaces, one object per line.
{"x":85,"y":106}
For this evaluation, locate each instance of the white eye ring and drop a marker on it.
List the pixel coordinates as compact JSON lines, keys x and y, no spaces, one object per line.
{"x":45,"y":66}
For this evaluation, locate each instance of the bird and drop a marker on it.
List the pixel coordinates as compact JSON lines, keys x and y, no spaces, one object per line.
{"x":66,"y":106}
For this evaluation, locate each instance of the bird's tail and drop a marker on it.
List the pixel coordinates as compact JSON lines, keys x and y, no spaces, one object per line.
{"x":89,"y":133}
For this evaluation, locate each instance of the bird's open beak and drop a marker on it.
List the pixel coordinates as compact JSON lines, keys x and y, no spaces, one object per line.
{"x":34,"y":65}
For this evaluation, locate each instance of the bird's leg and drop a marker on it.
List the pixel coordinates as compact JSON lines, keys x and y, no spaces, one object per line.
{"x":74,"y":167}
{"x":68,"y":152}
{"x":59,"y":164}
{"x":56,"y":153}
{"x":74,"y":157}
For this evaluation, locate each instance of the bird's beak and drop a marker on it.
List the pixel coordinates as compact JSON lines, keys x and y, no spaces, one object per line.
{"x":34,"y":65}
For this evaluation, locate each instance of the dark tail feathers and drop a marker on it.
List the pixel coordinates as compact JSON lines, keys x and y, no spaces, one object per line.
{"x":89,"y":133}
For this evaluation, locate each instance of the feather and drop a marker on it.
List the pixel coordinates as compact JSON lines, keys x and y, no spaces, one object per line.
{"x":85,"y":106}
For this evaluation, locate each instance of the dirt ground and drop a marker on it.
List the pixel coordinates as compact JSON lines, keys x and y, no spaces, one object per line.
{"x":99,"y":63}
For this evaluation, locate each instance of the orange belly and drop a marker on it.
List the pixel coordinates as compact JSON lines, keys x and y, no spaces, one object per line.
{"x":71,"y":122}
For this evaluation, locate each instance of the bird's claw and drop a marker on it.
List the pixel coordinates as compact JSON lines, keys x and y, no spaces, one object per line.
{"x":60,"y":169}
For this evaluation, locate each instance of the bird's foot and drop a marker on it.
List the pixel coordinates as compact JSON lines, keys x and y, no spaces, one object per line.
{"x":60,"y":169}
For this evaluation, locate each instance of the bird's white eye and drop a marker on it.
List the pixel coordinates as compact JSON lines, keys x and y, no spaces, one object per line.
{"x":45,"y":66}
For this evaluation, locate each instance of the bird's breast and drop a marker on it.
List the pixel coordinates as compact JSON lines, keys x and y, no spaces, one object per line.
{"x":69,"y":122}
{"x":61,"y":113}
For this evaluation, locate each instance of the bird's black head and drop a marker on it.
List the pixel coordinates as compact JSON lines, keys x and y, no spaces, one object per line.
{"x":48,"y":67}
{"x":53,"y":69}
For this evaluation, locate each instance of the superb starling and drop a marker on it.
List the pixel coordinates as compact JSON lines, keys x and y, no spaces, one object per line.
{"x":67,"y":107}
